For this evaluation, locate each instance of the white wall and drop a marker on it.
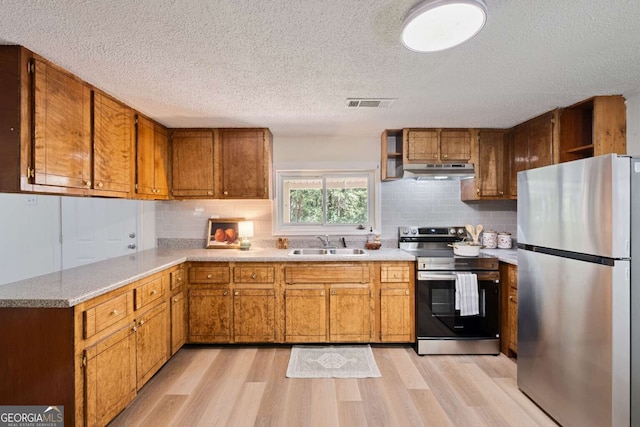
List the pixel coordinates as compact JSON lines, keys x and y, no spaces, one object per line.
{"x":29,"y":240}
{"x":30,"y":234}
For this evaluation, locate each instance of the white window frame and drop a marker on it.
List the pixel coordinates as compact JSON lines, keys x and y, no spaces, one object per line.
{"x":283,"y":229}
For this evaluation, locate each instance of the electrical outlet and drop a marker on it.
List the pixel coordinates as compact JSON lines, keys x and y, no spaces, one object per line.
{"x":31,"y":200}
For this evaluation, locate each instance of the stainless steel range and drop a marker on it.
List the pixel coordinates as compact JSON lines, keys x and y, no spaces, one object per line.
{"x":441,"y":327}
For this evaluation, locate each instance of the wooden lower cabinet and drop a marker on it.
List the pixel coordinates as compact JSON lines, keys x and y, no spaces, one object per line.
{"x":178,"y":321}
{"x":395,"y":315}
{"x":210,"y":315}
{"x":254,"y":315}
{"x":109,"y":376}
{"x":350,"y":314}
{"x":152,"y":342}
{"x":305,"y":314}
{"x":301,"y":302}
{"x":509,"y":316}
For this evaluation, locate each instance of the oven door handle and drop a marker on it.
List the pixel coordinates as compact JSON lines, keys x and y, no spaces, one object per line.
{"x":432,"y":276}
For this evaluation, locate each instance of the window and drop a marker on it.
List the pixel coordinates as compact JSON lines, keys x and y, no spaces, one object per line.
{"x":325,"y":201}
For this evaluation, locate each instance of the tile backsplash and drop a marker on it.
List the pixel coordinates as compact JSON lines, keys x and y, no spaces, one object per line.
{"x":403,"y":202}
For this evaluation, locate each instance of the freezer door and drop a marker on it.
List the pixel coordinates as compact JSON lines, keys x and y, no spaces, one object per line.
{"x":581,"y":206}
{"x":574,"y":338}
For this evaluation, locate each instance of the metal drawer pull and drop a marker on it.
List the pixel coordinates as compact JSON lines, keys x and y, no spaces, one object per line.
{"x":209,"y":276}
{"x":253,"y":276}
{"x":115,"y":312}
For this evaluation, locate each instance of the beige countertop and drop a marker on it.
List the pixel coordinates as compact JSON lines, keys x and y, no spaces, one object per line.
{"x":70,"y":287}
{"x":509,"y":256}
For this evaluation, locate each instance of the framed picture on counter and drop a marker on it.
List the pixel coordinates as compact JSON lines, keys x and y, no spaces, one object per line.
{"x":223,"y":233}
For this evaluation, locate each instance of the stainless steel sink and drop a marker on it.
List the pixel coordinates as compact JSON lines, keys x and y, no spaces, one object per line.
{"x":337,"y":251}
{"x":347,"y":251}
{"x":309,"y":251}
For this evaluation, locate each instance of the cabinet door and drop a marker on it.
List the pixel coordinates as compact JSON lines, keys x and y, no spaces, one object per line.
{"x":305,"y":315}
{"x":491,"y":165}
{"x":421,"y":145}
{"x":62,"y":128}
{"x":192,"y":154}
{"x":455,"y":145}
{"x":110,"y":376}
{"x":152,"y":157}
{"x":254,"y":317}
{"x":244,"y":166}
{"x":152,"y":342}
{"x":112,"y":145}
{"x":209,"y":315}
{"x":540,"y":141}
{"x":145,"y":157}
{"x":350,"y":315}
{"x":513,"y":320}
{"x":178,"y":322}
{"x":519,"y":155}
{"x":395,"y":315}
{"x":161,"y":161}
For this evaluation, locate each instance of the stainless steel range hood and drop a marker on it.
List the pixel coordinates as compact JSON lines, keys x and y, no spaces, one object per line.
{"x":435,"y":171}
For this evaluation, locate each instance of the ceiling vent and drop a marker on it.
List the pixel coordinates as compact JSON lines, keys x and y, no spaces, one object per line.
{"x":370,"y":102}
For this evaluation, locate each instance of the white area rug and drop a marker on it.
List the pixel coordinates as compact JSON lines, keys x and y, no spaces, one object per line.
{"x":339,"y":361}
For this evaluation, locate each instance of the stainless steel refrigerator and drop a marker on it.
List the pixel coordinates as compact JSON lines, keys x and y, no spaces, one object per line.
{"x":578,"y":285}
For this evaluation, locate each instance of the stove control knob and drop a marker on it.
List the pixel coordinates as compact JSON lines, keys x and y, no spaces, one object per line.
{"x":452,"y":231}
{"x":404,"y":230}
{"x":461,"y":231}
{"x":414,"y":231}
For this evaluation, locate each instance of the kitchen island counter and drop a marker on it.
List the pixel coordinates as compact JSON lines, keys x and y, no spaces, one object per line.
{"x":67,"y":288}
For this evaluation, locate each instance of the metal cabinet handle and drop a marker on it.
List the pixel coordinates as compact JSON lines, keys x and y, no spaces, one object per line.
{"x":322,"y":293}
{"x":115,"y":312}
{"x":237,"y":293}
{"x":141,"y":322}
{"x":253,"y":276}
{"x":209,"y":276}
{"x":225,"y":293}
{"x":153,"y":292}
{"x":175,"y":299}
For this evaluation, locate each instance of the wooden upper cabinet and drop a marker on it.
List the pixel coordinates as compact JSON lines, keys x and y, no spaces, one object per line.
{"x":62,"y":128}
{"x":532,"y":146}
{"x":192,"y":166}
{"x":420,"y":145}
{"x":113,"y":145}
{"x":541,"y":141}
{"x":152,"y":160}
{"x":436,"y":145}
{"x":491,"y":167}
{"x":391,"y":155}
{"x":593,"y":127}
{"x":244,"y":163}
{"x":455,"y":145}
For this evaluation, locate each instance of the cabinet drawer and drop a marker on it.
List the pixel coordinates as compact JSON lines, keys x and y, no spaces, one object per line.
{"x":102,"y":316}
{"x":395,"y":274}
{"x":254,"y":274}
{"x":327,"y":274}
{"x":177,"y":279}
{"x":209,"y":274}
{"x":148,"y":292}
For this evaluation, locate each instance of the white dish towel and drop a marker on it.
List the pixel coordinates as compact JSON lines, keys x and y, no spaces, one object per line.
{"x":467,"y":298}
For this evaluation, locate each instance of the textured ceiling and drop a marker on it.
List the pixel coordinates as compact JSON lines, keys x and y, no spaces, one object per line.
{"x":290,"y":64}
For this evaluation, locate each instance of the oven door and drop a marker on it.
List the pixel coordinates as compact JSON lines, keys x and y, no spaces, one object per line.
{"x":436,"y":316}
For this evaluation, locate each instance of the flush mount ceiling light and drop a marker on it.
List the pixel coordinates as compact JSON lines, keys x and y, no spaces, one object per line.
{"x":437,"y":25}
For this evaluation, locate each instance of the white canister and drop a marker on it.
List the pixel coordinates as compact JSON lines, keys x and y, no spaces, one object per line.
{"x":490,"y":239}
{"x":504,"y":240}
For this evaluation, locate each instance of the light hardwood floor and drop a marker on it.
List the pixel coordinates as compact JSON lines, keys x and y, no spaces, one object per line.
{"x":246,"y":386}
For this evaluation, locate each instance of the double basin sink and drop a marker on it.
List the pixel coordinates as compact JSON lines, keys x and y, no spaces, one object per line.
{"x":329,"y":251}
